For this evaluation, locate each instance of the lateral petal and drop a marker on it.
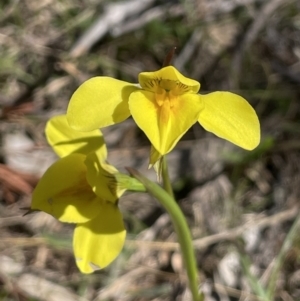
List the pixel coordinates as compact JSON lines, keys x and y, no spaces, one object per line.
{"x":98,"y":242}
{"x":99,"y":102}
{"x":64,"y":192}
{"x":65,"y":140}
{"x":230,"y":117}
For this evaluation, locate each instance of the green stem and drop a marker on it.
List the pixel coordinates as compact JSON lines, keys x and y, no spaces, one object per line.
{"x":181,"y":228}
{"x":166,"y":178}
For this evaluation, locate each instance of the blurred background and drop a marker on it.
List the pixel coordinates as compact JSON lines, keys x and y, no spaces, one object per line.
{"x":241,"y":206}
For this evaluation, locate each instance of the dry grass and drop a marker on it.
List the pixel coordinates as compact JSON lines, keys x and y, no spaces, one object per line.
{"x":240,"y":205}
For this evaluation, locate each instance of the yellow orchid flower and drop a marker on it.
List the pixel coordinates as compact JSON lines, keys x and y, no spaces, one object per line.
{"x":66,"y":192}
{"x":82,"y":188}
{"x":164,"y":105}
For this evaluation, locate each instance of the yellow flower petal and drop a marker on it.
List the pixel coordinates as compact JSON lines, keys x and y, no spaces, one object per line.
{"x":99,"y":102}
{"x":230,"y":117}
{"x":164,"y":125}
{"x":98,"y":242}
{"x":64,"y":192}
{"x":101,"y":177}
{"x":165,"y":77}
{"x":64,"y":140}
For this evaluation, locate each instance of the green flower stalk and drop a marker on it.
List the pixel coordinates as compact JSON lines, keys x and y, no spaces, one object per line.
{"x":166,"y":199}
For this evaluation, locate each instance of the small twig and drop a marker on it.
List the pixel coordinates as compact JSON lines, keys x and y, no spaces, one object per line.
{"x":23,"y":241}
{"x":114,"y":15}
{"x":228,"y":235}
{"x":250,"y":36}
{"x":155,"y":13}
{"x":9,"y":10}
{"x":121,"y":285}
{"x":188,"y":49}
{"x":236,"y":293}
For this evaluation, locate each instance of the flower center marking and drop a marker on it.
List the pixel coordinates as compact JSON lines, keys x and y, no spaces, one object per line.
{"x":166,"y":90}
